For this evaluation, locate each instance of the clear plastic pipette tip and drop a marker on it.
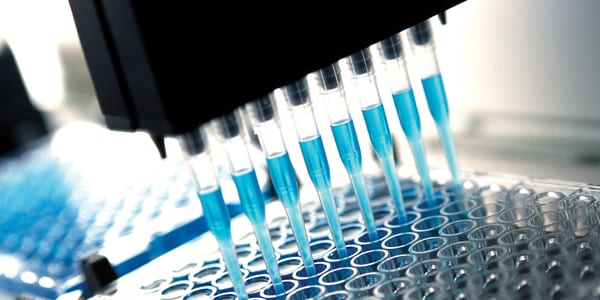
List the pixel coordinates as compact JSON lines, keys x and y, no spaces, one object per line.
{"x":392,"y":53}
{"x":232,"y":132}
{"x":230,"y":257}
{"x":315,"y":150}
{"x":263,"y":117}
{"x":315,"y":158}
{"x":421,"y":37}
{"x":448,"y":143}
{"x":194,"y":147}
{"x":423,"y":170}
{"x":438,"y":106}
{"x":346,"y":139}
{"x":376,"y":122}
{"x":284,"y":180}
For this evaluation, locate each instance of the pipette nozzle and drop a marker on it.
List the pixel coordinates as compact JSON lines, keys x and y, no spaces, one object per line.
{"x":228,"y":125}
{"x":193,"y":142}
{"x":360,"y":62}
{"x":262,"y":109}
{"x":297,"y":93}
{"x":329,"y":77}
{"x":391,"y":47}
{"x":421,"y":34}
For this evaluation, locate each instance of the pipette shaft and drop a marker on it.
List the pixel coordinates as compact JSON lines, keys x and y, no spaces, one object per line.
{"x":346,"y":139}
{"x":214,"y":208}
{"x":406,"y":108}
{"x":421,"y":38}
{"x":231,"y":133}
{"x":315,"y":159}
{"x":376,"y":122}
{"x":263,"y":117}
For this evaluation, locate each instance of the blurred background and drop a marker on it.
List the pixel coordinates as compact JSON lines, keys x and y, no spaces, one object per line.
{"x":521,"y":78}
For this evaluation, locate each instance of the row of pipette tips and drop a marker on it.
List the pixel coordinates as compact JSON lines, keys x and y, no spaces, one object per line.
{"x":263,"y":119}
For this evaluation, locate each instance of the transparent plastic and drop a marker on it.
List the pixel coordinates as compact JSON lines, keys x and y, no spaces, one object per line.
{"x":502,"y":257}
{"x":363,"y":78}
{"x":315,"y":158}
{"x":265,"y":123}
{"x":422,"y":43}
{"x":345,"y":137}
{"x":406,"y":108}
{"x":233,"y":138}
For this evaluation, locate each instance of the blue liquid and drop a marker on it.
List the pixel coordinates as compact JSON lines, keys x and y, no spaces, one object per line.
{"x":406,"y":107}
{"x":317,"y":165}
{"x":253,"y":204}
{"x":438,"y":106}
{"x":216,"y":213}
{"x":348,"y":147}
{"x":436,"y":99}
{"x":285,"y":184}
{"x":219,"y":223}
{"x":381,"y":139}
{"x":408,"y":114}
{"x":251,"y":197}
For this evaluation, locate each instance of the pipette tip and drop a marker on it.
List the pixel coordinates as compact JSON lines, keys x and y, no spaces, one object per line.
{"x":279,"y":288}
{"x":231,"y":263}
{"x":310,"y":270}
{"x":342,"y":252}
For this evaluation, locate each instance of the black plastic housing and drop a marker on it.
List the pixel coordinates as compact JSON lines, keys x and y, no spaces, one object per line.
{"x":168,"y":67}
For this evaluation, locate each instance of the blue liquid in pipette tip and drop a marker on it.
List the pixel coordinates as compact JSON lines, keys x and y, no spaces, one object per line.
{"x":348,"y":147}
{"x":317,"y":166}
{"x":216,"y":213}
{"x":438,"y":106}
{"x":381,"y":139}
{"x":285,"y":184}
{"x":250,"y":195}
{"x":219,"y":222}
{"x":448,"y":143}
{"x":253,"y":205}
{"x":408,"y":115}
{"x":231,"y":263}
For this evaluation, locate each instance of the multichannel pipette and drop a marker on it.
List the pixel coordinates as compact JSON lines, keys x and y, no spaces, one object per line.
{"x":232,"y":135}
{"x":421,"y":39}
{"x":264,"y":119}
{"x":376,"y":122}
{"x":313,"y":152}
{"x":406,"y":107}
{"x":199,"y":161}
{"x":346,"y":138}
